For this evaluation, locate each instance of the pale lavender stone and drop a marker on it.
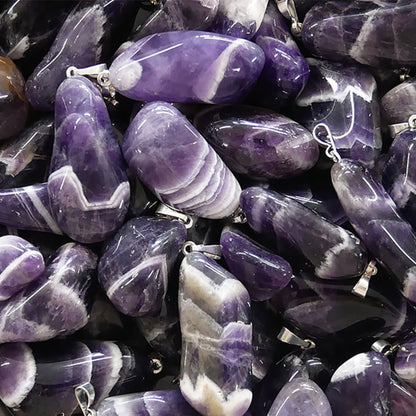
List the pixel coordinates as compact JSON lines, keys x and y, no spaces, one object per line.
{"x":405,"y":361}
{"x":262,"y":272}
{"x":187,"y":67}
{"x":177,"y":164}
{"x":20,"y":264}
{"x":372,"y":32}
{"x":375,"y":218}
{"x":361,"y":386}
{"x":333,"y":251}
{"x":136,"y":264}
{"x":56,"y":303}
{"x":344,"y":97}
{"x":88,"y":186}
{"x":300,"y":397}
{"x":214,"y":309}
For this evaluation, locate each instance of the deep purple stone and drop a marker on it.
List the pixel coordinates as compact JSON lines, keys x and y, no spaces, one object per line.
{"x":403,"y":398}
{"x":258,"y":143}
{"x":187,"y":66}
{"x":405,"y":361}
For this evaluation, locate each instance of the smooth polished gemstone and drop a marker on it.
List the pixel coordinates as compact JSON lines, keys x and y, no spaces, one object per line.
{"x":88,"y":186}
{"x":20,"y":264}
{"x":187,"y":67}
{"x":333,"y":251}
{"x":83,"y":40}
{"x":344,"y":97}
{"x":361,"y":386}
{"x":136,"y":264}
{"x":13,"y":104}
{"x":152,"y":403}
{"x":55,"y":304}
{"x":258,"y":143}
{"x":302,"y":6}
{"x":405,"y":361}
{"x":403,"y":397}
{"x":261,"y":272}
{"x":376,"y":219}
{"x":300,"y":397}
{"x":214,"y":309}
{"x":177,"y":164}
{"x":239,"y":18}
{"x":371,"y":32}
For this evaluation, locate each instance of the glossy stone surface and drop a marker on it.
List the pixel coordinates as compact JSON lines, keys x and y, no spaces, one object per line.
{"x":258,"y":143}
{"x":239,"y":18}
{"x":261,"y":272}
{"x":404,"y":363}
{"x":371,"y":32}
{"x":364,"y":383}
{"x":152,"y":403}
{"x":214,"y":309}
{"x":136,"y":263}
{"x":83,"y":40}
{"x":333,"y":251}
{"x":344,"y":97}
{"x":301,"y":396}
{"x":186,"y":67}
{"x":177,"y":164}
{"x":20,"y":264}
{"x":385,"y":233}
{"x":13,"y":104}
{"x":403,"y":398}
{"x":55,"y":304}
{"x":87,"y":185}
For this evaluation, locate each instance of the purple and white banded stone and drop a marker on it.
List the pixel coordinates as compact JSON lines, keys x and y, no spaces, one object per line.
{"x":405,"y":361}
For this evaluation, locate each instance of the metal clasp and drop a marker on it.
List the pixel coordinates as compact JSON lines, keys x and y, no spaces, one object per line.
{"x":165,"y":211}
{"x":288,"y":10}
{"x":362,"y":286}
{"x":85,"y":395}
{"x":288,"y":337}
{"x":397,"y":128}
{"x":383,"y":347}
{"x":212,"y":251}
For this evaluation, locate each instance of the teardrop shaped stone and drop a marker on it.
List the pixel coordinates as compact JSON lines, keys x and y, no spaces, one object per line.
{"x":405,"y":361}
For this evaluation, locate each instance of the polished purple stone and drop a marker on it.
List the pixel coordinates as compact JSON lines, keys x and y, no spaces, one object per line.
{"x":87,"y":185}
{"x":136,"y":263}
{"x":258,"y":143}
{"x":361,"y":386}
{"x":405,"y":361}
{"x":333,"y":251}
{"x":302,"y":6}
{"x":300,"y":397}
{"x":214,"y":309}
{"x":177,"y":164}
{"x":372,"y":32}
{"x":344,"y":97}
{"x":375,"y":218}
{"x":239,"y":18}
{"x":403,"y":398}
{"x":399,"y":103}
{"x":84,"y":40}
{"x":187,"y":66}
{"x":261,"y":272}
{"x":152,"y":403}
{"x":55,"y":304}
{"x":20,"y":264}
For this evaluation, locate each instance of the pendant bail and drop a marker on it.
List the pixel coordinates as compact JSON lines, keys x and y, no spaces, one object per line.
{"x":362,"y":286}
{"x":397,"y":128}
{"x":288,"y":337}
{"x":85,"y":395}
{"x":239,"y":216}
{"x":165,"y":211}
{"x":288,"y":10}
{"x":384,"y":347}
{"x":212,"y":251}
{"x":322,"y":134}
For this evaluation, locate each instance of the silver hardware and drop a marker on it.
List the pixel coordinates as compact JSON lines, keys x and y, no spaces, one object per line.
{"x":91,"y":71}
{"x":213,"y":251}
{"x":384,"y":347}
{"x":323,"y":136}
{"x":288,"y":10}
{"x":239,"y":217}
{"x":397,"y":128}
{"x":156,"y":365}
{"x":288,"y":337}
{"x":362,"y":286}
{"x":170,"y":213}
{"x":85,"y":396}
{"x":412,"y":122}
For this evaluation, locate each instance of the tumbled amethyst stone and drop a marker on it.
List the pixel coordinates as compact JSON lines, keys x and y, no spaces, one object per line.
{"x":186,"y":67}
{"x":88,"y":186}
{"x":258,"y":143}
{"x":214,"y":310}
{"x":20,"y":264}
{"x":261,"y":272}
{"x":344,"y":97}
{"x":403,"y":397}
{"x":178,"y":165}
{"x":405,"y":361}
{"x":372,"y":32}
{"x":136,"y":263}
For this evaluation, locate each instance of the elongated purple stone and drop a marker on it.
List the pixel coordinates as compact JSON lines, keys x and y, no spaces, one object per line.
{"x":177,"y":164}
{"x":334,"y":252}
{"x":88,"y":186}
{"x":214,"y":310}
{"x":187,"y":67}
{"x":303,"y":397}
{"x":261,"y":272}
{"x":136,"y":263}
{"x":403,"y":397}
{"x":375,"y":217}
{"x":20,"y":264}
{"x":258,"y":142}
{"x":361,"y":386}
{"x":374,"y":32}
{"x":405,"y":361}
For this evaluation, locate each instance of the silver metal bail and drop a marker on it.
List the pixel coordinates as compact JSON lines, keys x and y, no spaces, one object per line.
{"x":212,"y":251}
{"x":362,"y":286}
{"x":288,"y":10}
{"x":288,"y":337}
{"x":397,"y":128}
{"x":85,"y":395}
{"x":384,"y":347}
{"x":165,"y":211}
